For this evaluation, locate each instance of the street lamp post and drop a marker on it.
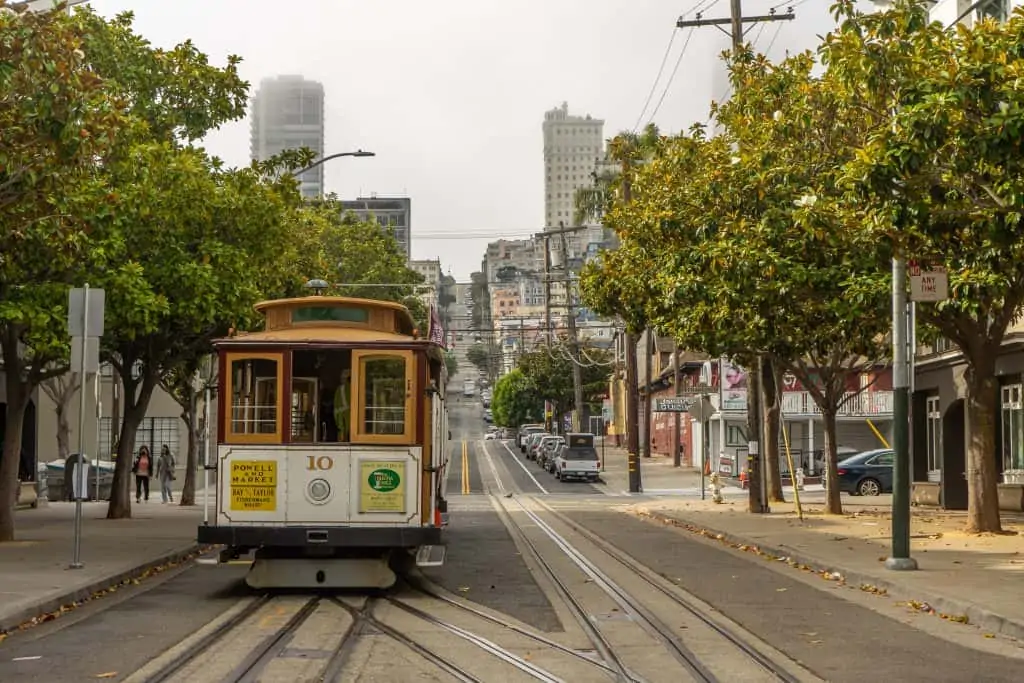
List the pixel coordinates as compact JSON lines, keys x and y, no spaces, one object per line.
{"x":357,"y":153}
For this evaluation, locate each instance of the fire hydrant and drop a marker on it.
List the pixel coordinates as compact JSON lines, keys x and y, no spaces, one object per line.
{"x":716,"y":488}
{"x":799,"y":478}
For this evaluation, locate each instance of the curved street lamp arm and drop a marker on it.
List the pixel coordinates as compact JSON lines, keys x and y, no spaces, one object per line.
{"x":357,"y":153}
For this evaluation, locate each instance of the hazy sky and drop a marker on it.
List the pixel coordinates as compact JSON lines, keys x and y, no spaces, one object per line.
{"x":451,"y":94}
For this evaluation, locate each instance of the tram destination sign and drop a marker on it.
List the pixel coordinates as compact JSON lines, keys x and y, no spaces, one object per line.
{"x":254,"y":485}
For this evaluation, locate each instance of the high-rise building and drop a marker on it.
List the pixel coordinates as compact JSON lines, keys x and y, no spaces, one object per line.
{"x":389,"y":212}
{"x":572,"y":147}
{"x":288,"y":113}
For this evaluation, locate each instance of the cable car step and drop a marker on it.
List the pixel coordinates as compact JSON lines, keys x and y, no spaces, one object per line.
{"x":431,"y":555}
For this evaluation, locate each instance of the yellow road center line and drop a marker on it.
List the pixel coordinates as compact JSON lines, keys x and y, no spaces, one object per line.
{"x":465,"y":468}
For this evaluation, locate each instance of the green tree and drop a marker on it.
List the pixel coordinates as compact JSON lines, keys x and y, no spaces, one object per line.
{"x":945,"y":180}
{"x":58,"y":119}
{"x":451,"y":364}
{"x":745,"y":270}
{"x":481,"y":357}
{"x":515,"y":400}
{"x":187,"y":382}
{"x":203,"y":238}
{"x":549,"y":372}
{"x":601,"y":281}
{"x":355,"y":257}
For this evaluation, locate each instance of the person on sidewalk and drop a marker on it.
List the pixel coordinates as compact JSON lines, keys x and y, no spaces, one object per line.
{"x":142,"y":468}
{"x":165,"y":473}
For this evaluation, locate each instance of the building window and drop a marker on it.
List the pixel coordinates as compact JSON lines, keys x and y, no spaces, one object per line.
{"x":734,"y":436}
{"x":933,"y":431}
{"x":995,"y":9}
{"x":1013,"y":429}
{"x":154,"y":432}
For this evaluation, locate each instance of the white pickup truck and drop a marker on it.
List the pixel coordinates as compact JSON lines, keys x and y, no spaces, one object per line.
{"x":578,"y":459}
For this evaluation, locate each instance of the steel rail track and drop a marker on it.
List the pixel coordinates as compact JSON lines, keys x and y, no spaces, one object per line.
{"x":173,"y":667}
{"x":417,"y":586}
{"x":364,"y":617}
{"x":631,"y":606}
{"x":642,"y":572}
{"x":272,"y":646}
{"x":594,"y":634}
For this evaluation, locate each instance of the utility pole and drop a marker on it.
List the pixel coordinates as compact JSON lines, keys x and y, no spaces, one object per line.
{"x":756,"y":470}
{"x":677,"y":451}
{"x":650,"y":347}
{"x":547,"y":289}
{"x":577,"y":371}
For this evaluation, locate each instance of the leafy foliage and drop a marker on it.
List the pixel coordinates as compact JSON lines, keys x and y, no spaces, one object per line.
{"x":348,"y":252}
{"x":59,"y":121}
{"x":550,"y":373}
{"x":515,"y":400}
{"x":451,"y":363}
{"x":944,"y":180}
{"x":480,"y":356}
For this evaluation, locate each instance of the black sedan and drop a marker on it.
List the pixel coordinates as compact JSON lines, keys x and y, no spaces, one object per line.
{"x":867,"y":474}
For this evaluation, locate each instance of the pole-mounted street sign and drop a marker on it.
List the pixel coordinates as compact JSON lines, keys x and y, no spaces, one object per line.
{"x":85,"y":323}
{"x":929,"y":284}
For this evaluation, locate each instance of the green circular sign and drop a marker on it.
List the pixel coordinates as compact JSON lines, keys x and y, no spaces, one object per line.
{"x":384,"y":481}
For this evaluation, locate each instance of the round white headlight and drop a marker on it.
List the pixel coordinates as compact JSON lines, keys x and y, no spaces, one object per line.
{"x":319,"y":490}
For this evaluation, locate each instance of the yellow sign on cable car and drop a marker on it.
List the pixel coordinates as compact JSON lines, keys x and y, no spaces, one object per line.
{"x":254,"y":485}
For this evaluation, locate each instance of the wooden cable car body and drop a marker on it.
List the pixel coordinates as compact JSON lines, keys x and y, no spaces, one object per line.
{"x":332,"y":445}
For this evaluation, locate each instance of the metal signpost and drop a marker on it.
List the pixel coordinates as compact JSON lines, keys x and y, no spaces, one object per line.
{"x":85,"y":323}
{"x":702,"y":411}
{"x":697,"y":403}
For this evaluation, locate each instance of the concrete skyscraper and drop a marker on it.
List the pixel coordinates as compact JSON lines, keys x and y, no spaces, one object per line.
{"x":573,"y":145}
{"x":288,"y":113}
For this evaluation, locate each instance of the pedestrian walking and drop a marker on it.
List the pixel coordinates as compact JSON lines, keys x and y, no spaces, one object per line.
{"x":142,"y":469}
{"x":165,"y":473}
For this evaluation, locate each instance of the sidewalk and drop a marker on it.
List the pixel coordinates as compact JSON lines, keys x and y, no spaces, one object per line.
{"x":973,"y":579}
{"x":34,"y":576}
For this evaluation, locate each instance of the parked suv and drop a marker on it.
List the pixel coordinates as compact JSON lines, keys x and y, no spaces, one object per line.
{"x":578,"y":459}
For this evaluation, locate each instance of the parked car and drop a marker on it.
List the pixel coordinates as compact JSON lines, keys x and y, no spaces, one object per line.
{"x":532,"y":442}
{"x":578,"y":459}
{"x":490,"y":436}
{"x":547,"y":448}
{"x":525,"y":431}
{"x":867,"y":474}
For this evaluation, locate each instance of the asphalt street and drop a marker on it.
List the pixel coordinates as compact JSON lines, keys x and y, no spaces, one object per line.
{"x":838,"y":640}
{"x":120,"y":633}
{"x":483,"y":563}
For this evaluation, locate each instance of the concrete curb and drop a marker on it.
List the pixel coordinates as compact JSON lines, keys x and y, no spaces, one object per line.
{"x":978,"y":616}
{"x":86,"y":593}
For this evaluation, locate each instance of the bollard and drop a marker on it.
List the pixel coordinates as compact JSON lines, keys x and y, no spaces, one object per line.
{"x":716,"y":488}
{"x":799,"y":479}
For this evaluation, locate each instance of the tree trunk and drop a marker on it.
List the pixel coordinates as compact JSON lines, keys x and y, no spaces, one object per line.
{"x":982,"y":475}
{"x":14,"y":421}
{"x":833,"y":503}
{"x":188,"y":490}
{"x":772,"y":426}
{"x":63,"y":431}
{"x":136,"y":402}
{"x":632,"y":415}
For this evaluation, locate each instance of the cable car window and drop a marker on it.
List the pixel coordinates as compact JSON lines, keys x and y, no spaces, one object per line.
{"x":384,"y":396}
{"x":255,"y":387}
{"x":337,"y":314}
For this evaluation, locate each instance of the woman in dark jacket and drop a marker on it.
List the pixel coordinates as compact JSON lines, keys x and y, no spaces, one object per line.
{"x":142,"y":468}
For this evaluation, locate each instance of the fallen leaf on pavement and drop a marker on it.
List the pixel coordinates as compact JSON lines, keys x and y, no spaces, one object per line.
{"x":109,"y":674}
